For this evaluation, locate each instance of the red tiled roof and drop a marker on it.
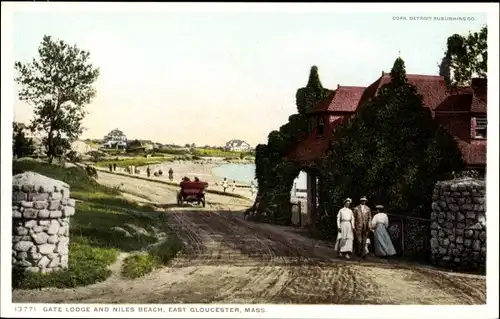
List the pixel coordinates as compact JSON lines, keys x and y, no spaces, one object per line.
{"x":431,"y":87}
{"x":434,"y":94}
{"x":479,"y":100}
{"x":344,"y":99}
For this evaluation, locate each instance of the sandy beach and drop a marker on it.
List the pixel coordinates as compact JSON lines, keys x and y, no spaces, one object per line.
{"x":192,"y":169}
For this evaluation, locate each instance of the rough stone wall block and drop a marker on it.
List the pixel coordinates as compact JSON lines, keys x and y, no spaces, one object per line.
{"x":41,"y":211}
{"x":458,"y":224}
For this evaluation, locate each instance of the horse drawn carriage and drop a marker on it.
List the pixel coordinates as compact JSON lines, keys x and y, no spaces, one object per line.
{"x":192,"y":191}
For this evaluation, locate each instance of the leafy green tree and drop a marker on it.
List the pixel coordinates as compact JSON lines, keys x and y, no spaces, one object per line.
{"x":58,"y":84}
{"x":21,"y":145}
{"x":391,"y":150}
{"x":465,"y":57}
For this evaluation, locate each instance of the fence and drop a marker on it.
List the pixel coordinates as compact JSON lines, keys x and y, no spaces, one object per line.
{"x":410,"y":236}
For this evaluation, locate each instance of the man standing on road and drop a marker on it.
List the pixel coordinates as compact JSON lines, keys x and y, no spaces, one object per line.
{"x":362,"y":217}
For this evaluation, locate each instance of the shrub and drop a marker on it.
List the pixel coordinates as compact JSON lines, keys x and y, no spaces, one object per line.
{"x":391,"y":151}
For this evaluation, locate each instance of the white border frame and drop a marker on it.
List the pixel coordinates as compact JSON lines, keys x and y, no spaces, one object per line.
{"x":490,"y":310}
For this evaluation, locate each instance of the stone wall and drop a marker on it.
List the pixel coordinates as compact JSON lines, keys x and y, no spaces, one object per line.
{"x":458,"y":224}
{"x":41,"y":209}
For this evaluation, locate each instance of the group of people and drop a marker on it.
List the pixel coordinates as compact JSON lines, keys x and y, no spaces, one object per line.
{"x":112,"y":167}
{"x":225,"y":186}
{"x":355,"y":227}
{"x":187,"y":179}
{"x":160,"y":173}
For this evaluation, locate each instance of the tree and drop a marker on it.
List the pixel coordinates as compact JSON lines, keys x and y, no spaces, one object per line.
{"x":21,"y":146}
{"x":465,"y":57}
{"x":308,"y":96}
{"x":391,"y":151}
{"x":58,"y":84}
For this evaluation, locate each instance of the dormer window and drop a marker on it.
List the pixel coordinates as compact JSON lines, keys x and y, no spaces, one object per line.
{"x":480,"y":127}
{"x":321,"y":126}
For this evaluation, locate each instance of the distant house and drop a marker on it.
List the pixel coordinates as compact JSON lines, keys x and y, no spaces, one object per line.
{"x":135,"y":145}
{"x":115,"y":139}
{"x":237,"y":146}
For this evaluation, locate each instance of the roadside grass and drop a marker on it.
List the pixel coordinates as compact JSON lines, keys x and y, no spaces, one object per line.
{"x":103,"y":225}
{"x":140,"y":264}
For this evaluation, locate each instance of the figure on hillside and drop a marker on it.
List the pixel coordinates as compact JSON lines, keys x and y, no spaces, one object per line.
{"x":110,"y":167}
{"x":362,"y":216}
{"x":234,"y":186}
{"x":171,"y":174}
{"x":148,"y":171}
{"x":382,"y":242}
{"x":224,"y":184}
{"x":345,"y":227}
{"x":114,"y":167}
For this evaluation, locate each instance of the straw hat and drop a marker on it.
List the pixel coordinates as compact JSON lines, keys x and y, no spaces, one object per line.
{"x":348,"y":200}
{"x":363,"y":199}
{"x":381,"y":207}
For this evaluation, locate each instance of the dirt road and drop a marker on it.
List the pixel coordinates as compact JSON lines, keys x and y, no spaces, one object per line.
{"x":230,"y":260}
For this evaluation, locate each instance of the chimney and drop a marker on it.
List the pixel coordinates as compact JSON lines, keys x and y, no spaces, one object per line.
{"x":338,"y":86}
{"x":480,"y":86}
{"x":383,"y":73}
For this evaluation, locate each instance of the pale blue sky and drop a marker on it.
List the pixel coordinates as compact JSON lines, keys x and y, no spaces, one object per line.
{"x":228,"y":75}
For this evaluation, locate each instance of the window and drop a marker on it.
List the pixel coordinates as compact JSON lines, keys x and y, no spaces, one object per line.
{"x":481,"y":127}
{"x":321,"y":126}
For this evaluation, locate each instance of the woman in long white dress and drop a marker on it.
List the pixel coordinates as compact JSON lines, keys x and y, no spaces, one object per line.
{"x":383,"y":246}
{"x":345,"y":226}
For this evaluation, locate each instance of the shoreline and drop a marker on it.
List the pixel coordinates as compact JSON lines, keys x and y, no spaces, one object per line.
{"x":192,"y":169}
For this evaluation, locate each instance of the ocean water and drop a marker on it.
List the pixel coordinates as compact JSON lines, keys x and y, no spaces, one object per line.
{"x":245,"y":173}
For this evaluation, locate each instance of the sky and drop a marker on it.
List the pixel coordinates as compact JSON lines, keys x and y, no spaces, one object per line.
{"x":208,"y":77}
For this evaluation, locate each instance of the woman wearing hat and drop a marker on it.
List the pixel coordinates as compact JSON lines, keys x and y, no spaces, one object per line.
{"x":382,"y":242}
{"x":345,"y":226}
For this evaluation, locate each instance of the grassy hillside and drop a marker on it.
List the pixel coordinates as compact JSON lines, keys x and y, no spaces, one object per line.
{"x":104,"y":225}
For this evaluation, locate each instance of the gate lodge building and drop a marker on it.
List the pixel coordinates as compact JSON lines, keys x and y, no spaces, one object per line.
{"x":462,"y":113}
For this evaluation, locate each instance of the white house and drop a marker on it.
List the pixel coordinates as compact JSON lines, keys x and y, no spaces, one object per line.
{"x":237,"y":146}
{"x":115,"y":139}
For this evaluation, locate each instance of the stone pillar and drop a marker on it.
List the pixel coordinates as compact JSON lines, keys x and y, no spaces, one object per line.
{"x":41,"y":210}
{"x":458,"y":224}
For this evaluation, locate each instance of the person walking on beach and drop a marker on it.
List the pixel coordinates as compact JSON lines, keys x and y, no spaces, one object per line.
{"x":234,"y":186}
{"x":224,"y":184}
{"x":252,"y":188}
{"x":110,"y":167}
{"x":148,"y":171}
{"x":382,"y":242}
{"x":171,"y":174}
{"x":345,"y":226}
{"x":114,"y":167}
{"x":362,"y":216}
